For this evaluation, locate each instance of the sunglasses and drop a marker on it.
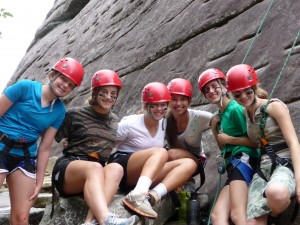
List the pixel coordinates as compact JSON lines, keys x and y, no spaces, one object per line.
{"x":249,"y":92}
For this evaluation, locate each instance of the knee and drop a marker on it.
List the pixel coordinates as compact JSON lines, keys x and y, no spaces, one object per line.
{"x":94,"y":168}
{"x":278,"y":194}
{"x":173,"y":154}
{"x":162,"y":153}
{"x":237,"y":217}
{"x":114,"y":170}
{"x":19,"y":218}
{"x":215,"y":218}
{"x":190,"y":165}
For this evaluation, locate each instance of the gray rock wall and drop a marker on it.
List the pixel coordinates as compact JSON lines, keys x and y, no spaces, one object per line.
{"x":158,"y":40}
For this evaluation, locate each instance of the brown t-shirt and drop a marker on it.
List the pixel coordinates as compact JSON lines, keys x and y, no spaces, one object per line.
{"x":88,"y":132}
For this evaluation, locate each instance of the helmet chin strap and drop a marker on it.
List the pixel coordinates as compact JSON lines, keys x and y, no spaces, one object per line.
{"x":51,"y":82}
{"x":222,"y":94}
{"x":255,"y":97}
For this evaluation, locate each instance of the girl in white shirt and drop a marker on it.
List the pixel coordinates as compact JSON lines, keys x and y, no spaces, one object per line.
{"x":140,"y":150}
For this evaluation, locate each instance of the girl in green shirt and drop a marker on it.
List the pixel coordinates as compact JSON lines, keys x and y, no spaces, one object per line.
{"x":230,"y":131}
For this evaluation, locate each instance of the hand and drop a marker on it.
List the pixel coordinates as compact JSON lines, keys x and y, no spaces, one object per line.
{"x":35,"y":193}
{"x":215,"y":120}
{"x":65,"y":143}
{"x":223,"y":138}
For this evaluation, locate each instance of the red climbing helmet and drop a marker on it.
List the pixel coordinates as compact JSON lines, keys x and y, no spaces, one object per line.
{"x":71,"y":68}
{"x":105,"y":78}
{"x":180,"y":86}
{"x":209,"y":75}
{"x":240,"y":77}
{"x":155,"y":92}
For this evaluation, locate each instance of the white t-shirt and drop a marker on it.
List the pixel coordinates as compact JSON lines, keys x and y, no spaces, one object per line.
{"x":191,"y":138}
{"x":133,"y":135}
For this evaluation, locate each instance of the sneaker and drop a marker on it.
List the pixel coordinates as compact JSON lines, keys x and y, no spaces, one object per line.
{"x":93,"y":222}
{"x":140,"y":204}
{"x":112,"y":219}
{"x":153,"y":198}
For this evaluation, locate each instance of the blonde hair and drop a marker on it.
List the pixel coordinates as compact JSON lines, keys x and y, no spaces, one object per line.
{"x":261,"y":93}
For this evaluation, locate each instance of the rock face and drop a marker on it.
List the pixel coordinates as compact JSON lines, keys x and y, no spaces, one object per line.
{"x":150,"y":40}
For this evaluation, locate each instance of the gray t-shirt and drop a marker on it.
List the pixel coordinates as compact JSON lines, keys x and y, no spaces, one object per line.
{"x":191,"y":138}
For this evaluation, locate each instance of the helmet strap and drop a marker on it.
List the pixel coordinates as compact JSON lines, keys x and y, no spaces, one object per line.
{"x":255,"y":97}
{"x":57,"y":74}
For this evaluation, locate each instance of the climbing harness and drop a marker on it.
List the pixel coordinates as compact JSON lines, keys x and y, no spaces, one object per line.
{"x":220,"y":170}
{"x":28,"y":163}
{"x":265,"y":146}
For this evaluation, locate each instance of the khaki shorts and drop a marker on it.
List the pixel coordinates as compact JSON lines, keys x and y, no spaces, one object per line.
{"x":257,"y":203}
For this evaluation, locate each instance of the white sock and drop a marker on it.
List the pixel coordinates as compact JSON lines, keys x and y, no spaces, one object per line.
{"x":161,"y":190}
{"x":142,"y":185}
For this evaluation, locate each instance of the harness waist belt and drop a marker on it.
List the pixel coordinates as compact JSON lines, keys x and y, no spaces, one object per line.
{"x":14,"y":144}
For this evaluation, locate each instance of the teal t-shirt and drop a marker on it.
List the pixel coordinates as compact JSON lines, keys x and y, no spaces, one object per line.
{"x":27,"y":118}
{"x":233,"y":123}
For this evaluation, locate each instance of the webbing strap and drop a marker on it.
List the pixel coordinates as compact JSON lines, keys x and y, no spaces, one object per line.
{"x":258,"y":30}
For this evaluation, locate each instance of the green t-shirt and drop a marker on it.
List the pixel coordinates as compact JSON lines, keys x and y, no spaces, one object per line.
{"x":233,"y":123}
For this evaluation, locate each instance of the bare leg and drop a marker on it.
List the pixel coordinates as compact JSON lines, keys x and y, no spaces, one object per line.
{"x":21,"y":189}
{"x":113,"y":174}
{"x":278,"y":198}
{"x":88,"y":177}
{"x":176,"y":173}
{"x":238,"y":191}
{"x":147,"y":163}
{"x":221,"y":211}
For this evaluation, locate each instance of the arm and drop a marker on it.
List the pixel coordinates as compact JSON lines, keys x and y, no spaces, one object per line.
{"x":42,"y":159}
{"x":280,"y":113}
{"x":5,"y":104}
{"x":240,"y":122}
{"x":226,"y":139}
{"x":214,"y":128}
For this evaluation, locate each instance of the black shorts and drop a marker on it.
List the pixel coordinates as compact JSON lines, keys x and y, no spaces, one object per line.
{"x":59,"y":170}
{"x":234,"y":174}
{"x":122,"y":159}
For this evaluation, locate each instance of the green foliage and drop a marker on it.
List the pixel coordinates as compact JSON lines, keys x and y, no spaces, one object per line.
{"x":4,"y":13}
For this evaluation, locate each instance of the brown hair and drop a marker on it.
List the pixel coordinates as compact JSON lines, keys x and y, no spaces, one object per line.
{"x":93,"y":98}
{"x":171,"y":130}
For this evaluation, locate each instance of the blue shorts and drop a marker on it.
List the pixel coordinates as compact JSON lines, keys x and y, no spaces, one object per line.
{"x":11,"y":162}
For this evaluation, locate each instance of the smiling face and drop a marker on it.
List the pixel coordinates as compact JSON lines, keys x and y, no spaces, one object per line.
{"x":179,"y":104}
{"x":157,"y":110}
{"x":213,"y":91}
{"x":61,"y":85}
{"x":244,"y":97}
{"x":105,"y":98}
